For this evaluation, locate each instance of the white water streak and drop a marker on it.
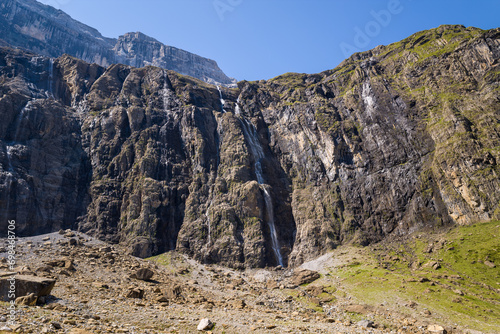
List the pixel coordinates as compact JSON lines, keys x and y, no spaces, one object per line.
{"x":222,"y":101}
{"x":7,"y":204}
{"x":51,"y":76}
{"x":19,"y":120}
{"x":207,"y":215}
{"x":258,"y":154}
{"x":10,"y":168}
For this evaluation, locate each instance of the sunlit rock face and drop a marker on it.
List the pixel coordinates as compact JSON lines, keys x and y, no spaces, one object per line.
{"x":397,"y":139}
{"x":42,"y":29}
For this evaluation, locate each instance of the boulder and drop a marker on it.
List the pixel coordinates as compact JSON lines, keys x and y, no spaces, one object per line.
{"x":68,"y":264}
{"x":315,"y":290}
{"x":56,"y":325}
{"x":205,"y":325}
{"x":489,"y":264}
{"x":25,"y":284}
{"x":143,"y":274}
{"x":105,"y":249}
{"x":174,"y":292}
{"x":361,"y":309}
{"x":304,"y":276}
{"x":135,"y":293}
{"x":163,"y":299}
{"x":436,"y":329}
{"x":365,"y":324}
{"x":432,"y":264}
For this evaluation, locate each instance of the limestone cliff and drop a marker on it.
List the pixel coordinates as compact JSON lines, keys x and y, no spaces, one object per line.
{"x":393,"y":140}
{"x":42,"y":29}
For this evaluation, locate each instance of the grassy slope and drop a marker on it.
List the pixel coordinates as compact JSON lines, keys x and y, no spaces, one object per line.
{"x":391,"y":273}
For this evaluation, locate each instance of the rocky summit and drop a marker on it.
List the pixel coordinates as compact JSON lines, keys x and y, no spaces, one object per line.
{"x":42,"y":29}
{"x":398,"y":139}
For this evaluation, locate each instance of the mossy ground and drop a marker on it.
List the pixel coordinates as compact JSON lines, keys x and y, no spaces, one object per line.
{"x":172,"y":261}
{"x":464,"y":290}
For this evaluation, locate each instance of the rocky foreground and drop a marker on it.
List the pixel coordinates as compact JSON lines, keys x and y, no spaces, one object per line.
{"x":100,"y":289}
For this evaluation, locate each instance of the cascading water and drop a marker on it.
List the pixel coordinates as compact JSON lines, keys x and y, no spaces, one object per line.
{"x":237,"y":110}
{"x":207,"y":215}
{"x":10,"y":168}
{"x":165,"y":93}
{"x":8,"y":180}
{"x":222,"y":101}
{"x":258,"y":154}
{"x":20,"y":117}
{"x":214,"y":175}
{"x":51,"y":76}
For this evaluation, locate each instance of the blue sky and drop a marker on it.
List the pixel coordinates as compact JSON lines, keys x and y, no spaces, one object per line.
{"x":260,"y":39}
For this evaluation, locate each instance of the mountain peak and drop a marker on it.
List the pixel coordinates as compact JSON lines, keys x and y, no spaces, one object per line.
{"x":138,"y":36}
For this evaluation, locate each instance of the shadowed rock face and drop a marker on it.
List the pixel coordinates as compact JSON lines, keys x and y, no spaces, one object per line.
{"x":400,"y":138}
{"x":50,"y":32}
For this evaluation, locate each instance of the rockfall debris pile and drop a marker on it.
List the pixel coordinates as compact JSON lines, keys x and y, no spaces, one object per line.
{"x":67,"y":282}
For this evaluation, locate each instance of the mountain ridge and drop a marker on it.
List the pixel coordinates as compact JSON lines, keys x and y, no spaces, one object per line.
{"x":51,"y":32}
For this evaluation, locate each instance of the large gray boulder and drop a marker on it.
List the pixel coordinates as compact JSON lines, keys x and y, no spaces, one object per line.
{"x":24,"y":285}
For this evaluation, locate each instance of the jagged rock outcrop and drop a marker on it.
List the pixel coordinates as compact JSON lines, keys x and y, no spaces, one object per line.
{"x":42,"y":29}
{"x":400,"y":138}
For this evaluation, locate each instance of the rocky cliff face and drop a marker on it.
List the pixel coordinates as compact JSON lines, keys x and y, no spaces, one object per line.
{"x":138,"y":50}
{"x":42,"y":29}
{"x":397,"y":139}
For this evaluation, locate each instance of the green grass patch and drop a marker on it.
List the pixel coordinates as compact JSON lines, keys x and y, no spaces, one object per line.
{"x":290,"y":79}
{"x":165,"y":259}
{"x":463,"y":288}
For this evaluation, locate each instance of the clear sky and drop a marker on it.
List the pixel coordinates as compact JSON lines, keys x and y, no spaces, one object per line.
{"x":260,"y":39}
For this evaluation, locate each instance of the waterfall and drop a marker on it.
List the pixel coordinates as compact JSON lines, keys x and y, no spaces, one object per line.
{"x":222,"y":101}
{"x":207,"y":215}
{"x":82,"y":106}
{"x":8,"y":183}
{"x":213,"y":178}
{"x":9,"y":160}
{"x":258,"y":154}
{"x":272,"y":227}
{"x":20,"y":117}
{"x":51,"y":76}
{"x":7,"y":204}
{"x":164,"y":92}
{"x":237,"y":110}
